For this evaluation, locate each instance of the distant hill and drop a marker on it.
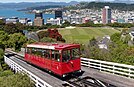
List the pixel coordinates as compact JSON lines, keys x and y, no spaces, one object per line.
{"x":100,"y":5}
{"x":41,"y":7}
{"x":24,"y":5}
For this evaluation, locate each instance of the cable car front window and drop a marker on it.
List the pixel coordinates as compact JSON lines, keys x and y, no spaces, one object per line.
{"x":66,"y":55}
{"x":57,"y":56}
{"x":75,"y":53}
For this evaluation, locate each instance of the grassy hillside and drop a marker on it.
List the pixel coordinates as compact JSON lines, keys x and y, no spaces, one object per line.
{"x":83,"y":35}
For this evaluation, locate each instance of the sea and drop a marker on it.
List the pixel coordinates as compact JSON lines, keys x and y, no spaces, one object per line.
{"x":8,"y":13}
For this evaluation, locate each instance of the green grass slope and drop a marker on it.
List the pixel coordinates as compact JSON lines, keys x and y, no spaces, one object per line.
{"x":83,"y":35}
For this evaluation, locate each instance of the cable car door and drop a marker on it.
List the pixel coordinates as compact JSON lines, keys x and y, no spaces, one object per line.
{"x":67,"y":63}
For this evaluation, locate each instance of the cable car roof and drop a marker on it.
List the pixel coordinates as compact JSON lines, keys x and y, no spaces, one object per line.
{"x":52,"y":45}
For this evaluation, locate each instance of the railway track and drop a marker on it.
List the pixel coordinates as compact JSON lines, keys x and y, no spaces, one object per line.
{"x":86,"y":82}
{"x":74,"y":81}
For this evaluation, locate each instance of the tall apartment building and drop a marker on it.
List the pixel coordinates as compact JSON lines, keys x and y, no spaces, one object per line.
{"x":106,"y":15}
{"x":38,"y":21}
{"x":58,"y":14}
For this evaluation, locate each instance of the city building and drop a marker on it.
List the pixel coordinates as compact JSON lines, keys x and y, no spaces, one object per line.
{"x":23,"y":20}
{"x":30,"y":23}
{"x":13,"y":20}
{"x":120,"y":20}
{"x":58,"y":14}
{"x":74,"y":19}
{"x":38,"y":21}
{"x":53,"y":21}
{"x":85,"y":20}
{"x":106,"y":15}
{"x":103,"y":43}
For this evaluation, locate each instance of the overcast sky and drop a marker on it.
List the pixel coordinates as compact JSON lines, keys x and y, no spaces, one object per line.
{"x":6,"y":1}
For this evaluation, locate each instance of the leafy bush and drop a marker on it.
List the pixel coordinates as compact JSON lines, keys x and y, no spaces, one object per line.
{"x":47,"y":39}
{"x":52,"y":34}
{"x":1,"y":56}
{"x":6,"y":73}
{"x":16,"y":41}
{"x":16,"y":80}
{"x":118,"y":51}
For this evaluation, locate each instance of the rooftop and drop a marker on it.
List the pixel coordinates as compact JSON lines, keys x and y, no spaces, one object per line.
{"x":52,"y":45}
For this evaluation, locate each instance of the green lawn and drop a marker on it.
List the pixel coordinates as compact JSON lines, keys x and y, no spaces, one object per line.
{"x":83,"y":35}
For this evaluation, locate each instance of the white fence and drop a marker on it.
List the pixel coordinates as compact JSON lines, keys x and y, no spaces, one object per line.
{"x":18,"y":68}
{"x":115,"y":68}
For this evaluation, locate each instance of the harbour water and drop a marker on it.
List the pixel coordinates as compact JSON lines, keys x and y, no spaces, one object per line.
{"x":14,"y":13}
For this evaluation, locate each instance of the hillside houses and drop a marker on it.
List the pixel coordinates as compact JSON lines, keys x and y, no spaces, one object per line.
{"x":101,"y":42}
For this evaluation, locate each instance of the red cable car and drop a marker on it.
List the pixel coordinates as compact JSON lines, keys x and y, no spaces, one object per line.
{"x":60,"y":58}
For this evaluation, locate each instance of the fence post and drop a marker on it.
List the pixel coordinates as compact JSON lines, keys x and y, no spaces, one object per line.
{"x":100,"y":66}
{"x":89,"y":63}
{"x":113,"y":69}
{"x":129,"y":73}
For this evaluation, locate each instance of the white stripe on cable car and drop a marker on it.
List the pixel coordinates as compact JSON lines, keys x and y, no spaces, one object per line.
{"x":41,"y":46}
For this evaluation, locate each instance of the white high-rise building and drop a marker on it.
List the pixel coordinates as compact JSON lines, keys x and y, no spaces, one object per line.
{"x":106,"y":15}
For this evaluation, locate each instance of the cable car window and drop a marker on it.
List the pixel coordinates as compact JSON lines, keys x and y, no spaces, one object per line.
{"x":75,"y":53}
{"x":28,"y":50}
{"x":52,"y":55}
{"x":37,"y":51}
{"x":56,"y":55}
{"x":66,"y":55}
{"x":33,"y":50}
{"x":46,"y":53}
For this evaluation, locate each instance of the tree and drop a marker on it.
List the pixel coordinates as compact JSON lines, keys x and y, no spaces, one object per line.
{"x":3,"y":36}
{"x":2,"y":22}
{"x":48,"y":24}
{"x":126,"y":39}
{"x":3,"y":39}
{"x":93,"y":42}
{"x":116,"y":37}
{"x":11,"y":28}
{"x":20,"y":26}
{"x":3,"y":66}
{"x":30,"y":41}
{"x":16,"y":41}
{"x":89,"y":24}
{"x":2,"y":45}
{"x":66,"y":23}
{"x":6,"y":73}
{"x":47,"y":39}
{"x":42,"y":34}
{"x":16,"y":80}
{"x":1,"y":57}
